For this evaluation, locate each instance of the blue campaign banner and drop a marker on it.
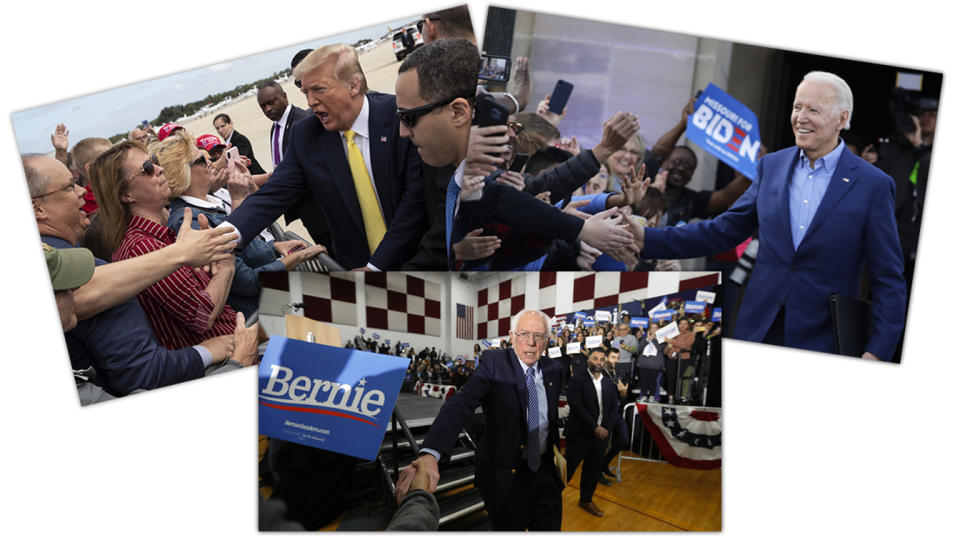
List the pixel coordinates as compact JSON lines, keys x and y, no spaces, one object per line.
{"x":579,"y":315}
{"x":485,"y":343}
{"x":588,"y":322}
{"x":405,"y":345}
{"x":694,"y":307}
{"x":327,"y":397}
{"x":663,"y":315}
{"x":363,"y":331}
{"x":376,"y":336}
{"x":717,"y":314}
{"x":727,"y":129}
{"x":386,"y":342}
{"x":639,"y":322}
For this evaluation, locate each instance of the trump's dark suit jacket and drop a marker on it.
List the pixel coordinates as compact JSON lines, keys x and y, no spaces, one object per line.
{"x":854,"y":225}
{"x":499,"y":386}
{"x":315,"y":162}
{"x":242,"y":144}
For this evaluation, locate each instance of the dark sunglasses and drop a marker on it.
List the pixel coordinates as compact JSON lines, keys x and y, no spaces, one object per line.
{"x":202,"y":160}
{"x":148,"y":168}
{"x":517,"y":127}
{"x":410,"y":117}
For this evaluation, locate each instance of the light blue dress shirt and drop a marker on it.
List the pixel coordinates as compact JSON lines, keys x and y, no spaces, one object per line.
{"x":807,"y":187}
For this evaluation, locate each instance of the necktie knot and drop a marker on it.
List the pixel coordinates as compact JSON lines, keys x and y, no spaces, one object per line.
{"x":349,"y":135}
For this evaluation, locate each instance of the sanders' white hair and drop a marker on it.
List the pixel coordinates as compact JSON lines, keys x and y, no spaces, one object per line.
{"x":843,"y":100}
{"x":543,"y":316}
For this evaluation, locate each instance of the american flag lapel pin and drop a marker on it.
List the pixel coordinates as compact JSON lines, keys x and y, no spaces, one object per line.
{"x":383,"y":138}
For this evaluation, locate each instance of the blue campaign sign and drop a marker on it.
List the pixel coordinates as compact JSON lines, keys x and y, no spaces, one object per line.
{"x":485,"y":343}
{"x":717,"y":314}
{"x":727,"y":129}
{"x":331,"y":398}
{"x":386,"y":342}
{"x":694,"y":307}
{"x":376,"y":336}
{"x":363,"y":331}
{"x":588,"y":321}
{"x":580,"y":315}
{"x":639,"y":322}
{"x":663,"y":315}
{"x":405,"y":344}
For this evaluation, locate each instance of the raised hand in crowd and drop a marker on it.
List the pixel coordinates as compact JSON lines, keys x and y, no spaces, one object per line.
{"x":616,"y":132}
{"x":423,"y":466}
{"x":543,"y":196}
{"x":870,"y":154}
{"x":60,"y":141}
{"x":543,"y":109}
{"x":512,"y":179}
{"x":588,"y":255}
{"x":245,"y":342}
{"x":521,"y":82}
{"x":660,"y":181}
{"x":601,"y":231}
{"x":471,"y":184}
{"x":473,"y":246}
{"x":570,"y":145}
{"x":220,"y":347}
{"x":239,"y":183}
{"x":636,"y":230}
{"x":295,"y":257}
{"x":200,"y":247}
{"x":486,"y":149}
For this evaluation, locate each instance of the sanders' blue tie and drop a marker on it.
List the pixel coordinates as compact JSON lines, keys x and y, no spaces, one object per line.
{"x":453,"y":191}
{"x":533,"y":422}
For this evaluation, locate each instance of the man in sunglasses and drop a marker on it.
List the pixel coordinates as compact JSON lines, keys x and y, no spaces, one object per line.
{"x":435,"y":95}
{"x":349,"y":155}
{"x":519,"y":390}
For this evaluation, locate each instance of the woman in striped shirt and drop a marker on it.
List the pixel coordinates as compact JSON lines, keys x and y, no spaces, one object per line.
{"x":189,"y":305}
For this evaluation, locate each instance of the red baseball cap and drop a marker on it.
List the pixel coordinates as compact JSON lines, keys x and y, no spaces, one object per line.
{"x":209,"y":142}
{"x":167,"y":129}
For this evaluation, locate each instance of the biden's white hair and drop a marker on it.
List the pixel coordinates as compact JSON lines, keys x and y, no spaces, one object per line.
{"x":843,"y":98}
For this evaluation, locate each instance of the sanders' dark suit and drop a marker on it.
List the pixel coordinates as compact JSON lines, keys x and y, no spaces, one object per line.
{"x":242,"y":144}
{"x":582,"y":444}
{"x":498,"y":385}
{"x":315,"y":162}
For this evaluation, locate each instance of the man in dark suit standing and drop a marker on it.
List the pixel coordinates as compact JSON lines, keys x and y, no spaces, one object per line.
{"x":822,"y":214}
{"x":278,"y":109}
{"x":519,"y":390}
{"x":349,"y":156}
{"x":593,"y":415}
{"x":436,"y":89}
{"x":224,"y":127}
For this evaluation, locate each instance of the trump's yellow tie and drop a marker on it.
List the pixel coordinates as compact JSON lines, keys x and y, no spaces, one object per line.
{"x":373,"y":222}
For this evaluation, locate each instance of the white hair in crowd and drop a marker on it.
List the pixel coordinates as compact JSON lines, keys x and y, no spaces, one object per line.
{"x":843,"y":101}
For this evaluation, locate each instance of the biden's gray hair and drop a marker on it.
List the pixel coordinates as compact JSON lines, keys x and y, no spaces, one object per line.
{"x":843,"y":101}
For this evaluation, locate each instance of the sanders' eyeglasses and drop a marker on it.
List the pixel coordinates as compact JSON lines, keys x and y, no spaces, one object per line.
{"x":410,"y":117}
{"x":148,"y":168}
{"x":537,"y":337}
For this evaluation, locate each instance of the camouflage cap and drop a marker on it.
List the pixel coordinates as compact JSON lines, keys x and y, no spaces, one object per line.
{"x":69,"y":268}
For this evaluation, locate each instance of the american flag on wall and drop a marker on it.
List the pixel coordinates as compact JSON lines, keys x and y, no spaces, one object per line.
{"x":464,"y":321}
